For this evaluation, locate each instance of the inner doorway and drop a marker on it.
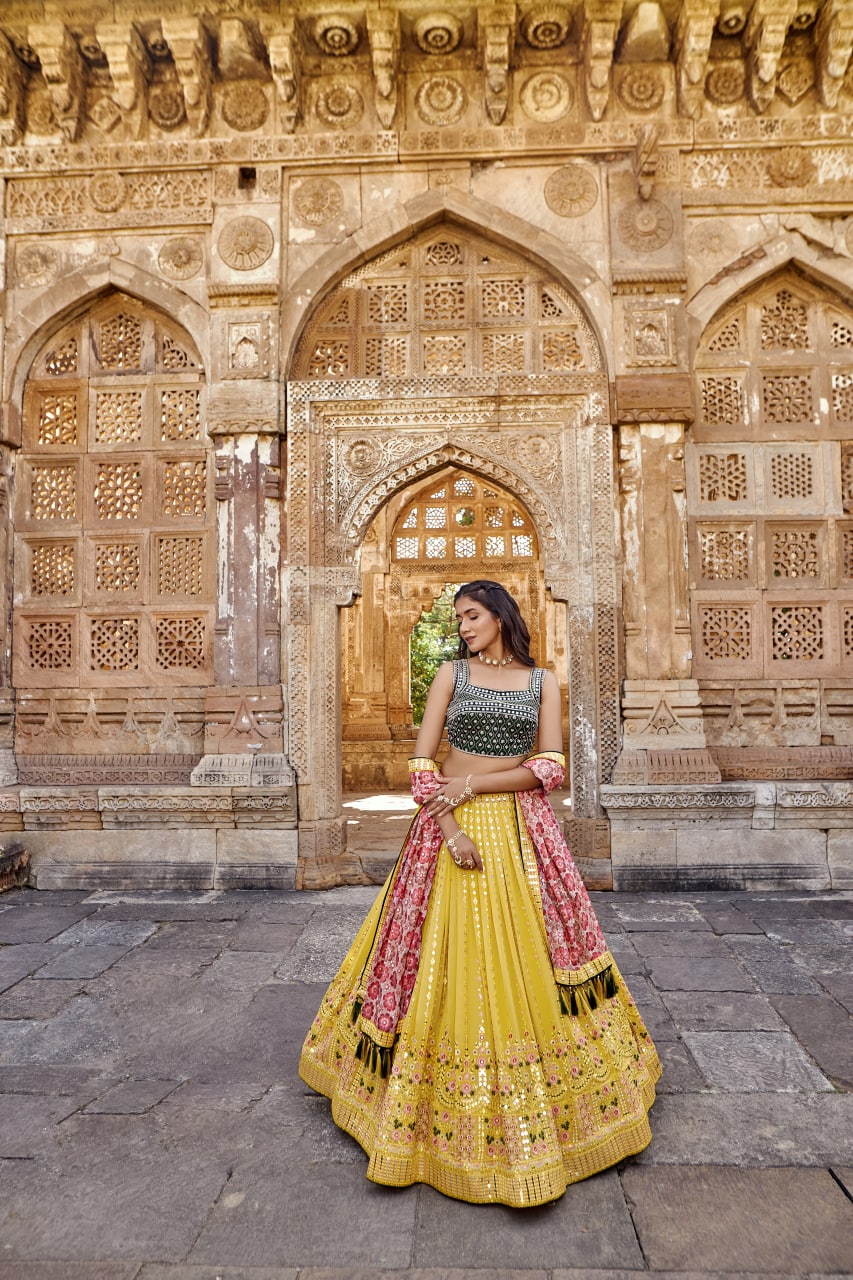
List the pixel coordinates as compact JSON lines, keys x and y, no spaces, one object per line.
{"x":431,"y":537}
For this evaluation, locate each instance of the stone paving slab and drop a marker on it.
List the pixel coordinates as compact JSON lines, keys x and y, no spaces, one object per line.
{"x":156,"y":1128}
{"x":752,"y":1130}
{"x":790,"y":1220}
{"x":589,"y":1226}
{"x":754,"y":1062}
{"x":819,"y":1024}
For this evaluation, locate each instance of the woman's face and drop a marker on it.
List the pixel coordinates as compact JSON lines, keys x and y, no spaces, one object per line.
{"x":478,"y":627}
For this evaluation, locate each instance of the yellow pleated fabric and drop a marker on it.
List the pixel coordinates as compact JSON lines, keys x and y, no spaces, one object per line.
{"x":494,"y":1095}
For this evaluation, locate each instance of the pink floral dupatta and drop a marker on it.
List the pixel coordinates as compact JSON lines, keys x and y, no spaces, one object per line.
{"x":579,"y":955}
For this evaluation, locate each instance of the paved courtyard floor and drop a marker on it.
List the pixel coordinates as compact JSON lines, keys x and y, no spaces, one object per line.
{"x":153,"y":1126}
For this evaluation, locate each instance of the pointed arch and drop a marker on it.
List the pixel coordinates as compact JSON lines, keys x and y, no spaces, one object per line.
{"x":792,"y":250}
{"x":471,"y":215}
{"x":37,"y":321}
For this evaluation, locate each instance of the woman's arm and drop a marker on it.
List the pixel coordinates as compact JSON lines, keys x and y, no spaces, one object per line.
{"x":435,"y":712}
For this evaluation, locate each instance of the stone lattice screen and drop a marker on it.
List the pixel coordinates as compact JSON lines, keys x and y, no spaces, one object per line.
{"x":771,"y":488}
{"x":446,"y":305}
{"x":113,"y":548}
{"x":464,"y":520}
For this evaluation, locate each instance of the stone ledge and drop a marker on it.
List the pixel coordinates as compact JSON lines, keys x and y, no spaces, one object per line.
{"x":191,"y":859}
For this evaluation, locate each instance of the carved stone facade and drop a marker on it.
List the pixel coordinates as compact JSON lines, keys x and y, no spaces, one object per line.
{"x":307,"y":315}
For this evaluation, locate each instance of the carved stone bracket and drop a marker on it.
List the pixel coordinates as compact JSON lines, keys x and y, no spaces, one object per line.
{"x":833,"y":44}
{"x":601,"y":20}
{"x":764,"y":39}
{"x":12,"y":96}
{"x":188,"y":41}
{"x":691,"y":44}
{"x":130,"y":68}
{"x":497,"y":28}
{"x":383,"y":30}
{"x":285,"y":65}
{"x":62,"y":67}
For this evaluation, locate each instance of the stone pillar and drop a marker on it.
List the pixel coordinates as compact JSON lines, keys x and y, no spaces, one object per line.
{"x":8,"y":768}
{"x":244,"y":709}
{"x":663,"y":737}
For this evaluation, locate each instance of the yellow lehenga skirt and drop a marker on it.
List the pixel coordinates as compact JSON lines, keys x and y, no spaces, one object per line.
{"x":494,"y":1094}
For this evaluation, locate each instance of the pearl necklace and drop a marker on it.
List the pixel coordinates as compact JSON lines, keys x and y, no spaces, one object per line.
{"x":495,"y":662}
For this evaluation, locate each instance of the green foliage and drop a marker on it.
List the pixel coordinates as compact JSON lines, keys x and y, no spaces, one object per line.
{"x":434,"y":640}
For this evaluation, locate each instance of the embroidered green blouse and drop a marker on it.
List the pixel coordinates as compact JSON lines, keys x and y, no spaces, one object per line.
{"x":493,"y":722}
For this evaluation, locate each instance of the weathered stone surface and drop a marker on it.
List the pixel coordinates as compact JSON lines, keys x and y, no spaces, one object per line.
{"x":28,"y":1124}
{"x":721,"y":1011}
{"x":725,"y":1237}
{"x":81,"y":962}
{"x":771,"y":968}
{"x":131,"y":1097}
{"x":265,"y":1217}
{"x":588,"y":1226}
{"x":751,"y":1129}
{"x":32,"y":998}
{"x":684,"y":973}
{"x":680,"y":1073}
{"x":756,"y":1061}
{"x":19,"y":925}
{"x":688,"y":944}
{"x":825,"y":1031}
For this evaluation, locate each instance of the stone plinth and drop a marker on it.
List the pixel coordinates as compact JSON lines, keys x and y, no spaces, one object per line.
{"x":730,"y":836}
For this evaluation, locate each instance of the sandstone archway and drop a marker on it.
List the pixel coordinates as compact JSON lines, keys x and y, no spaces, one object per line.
{"x":445,"y":353}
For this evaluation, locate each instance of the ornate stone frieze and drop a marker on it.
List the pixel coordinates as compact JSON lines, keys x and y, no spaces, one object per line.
{"x":722,"y":177}
{"x":96,"y":770}
{"x":679,"y":796}
{"x":131,"y":199}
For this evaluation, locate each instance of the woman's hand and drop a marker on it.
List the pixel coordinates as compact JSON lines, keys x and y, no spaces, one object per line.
{"x":463,"y":851}
{"x":454,"y":791}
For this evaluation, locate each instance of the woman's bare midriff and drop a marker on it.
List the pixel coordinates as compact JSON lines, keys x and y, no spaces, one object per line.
{"x":458,"y":764}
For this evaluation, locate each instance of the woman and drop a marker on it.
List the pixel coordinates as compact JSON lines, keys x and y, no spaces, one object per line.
{"x":479,"y":1036}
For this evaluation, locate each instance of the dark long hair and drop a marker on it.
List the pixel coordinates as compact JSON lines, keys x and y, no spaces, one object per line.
{"x":500,"y":604}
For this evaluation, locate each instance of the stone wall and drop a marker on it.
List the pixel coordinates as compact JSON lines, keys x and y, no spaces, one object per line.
{"x":271,"y":272}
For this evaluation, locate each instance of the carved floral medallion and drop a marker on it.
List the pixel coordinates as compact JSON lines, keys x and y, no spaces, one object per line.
{"x":336,"y":35}
{"x":724,"y":84}
{"x":438,"y":32}
{"x":571,"y":191}
{"x":791,"y":167}
{"x":36,"y":264}
{"x":180,"y":258}
{"x":339,"y":105}
{"x":245,"y":244}
{"x":712,"y":240}
{"x":641,"y":89}
{"x":317,"y":201}
{"x":107,"y":191}
{"x":546,"y":26}
{"x":645,"y":225}
{"x":166,"y":106}
{"x":441,"y":101}
{"x":244,"y":105}
{"x":546,"y":97}
{"x":362,"y":457}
